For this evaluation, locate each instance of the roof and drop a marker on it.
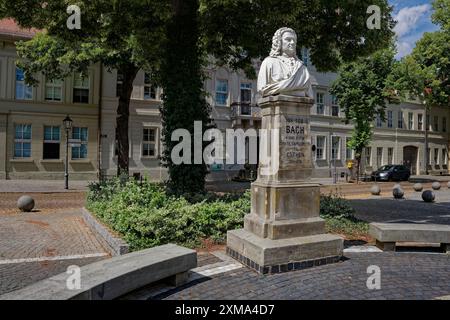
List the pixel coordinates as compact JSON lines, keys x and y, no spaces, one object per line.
{"x":10,"y":29}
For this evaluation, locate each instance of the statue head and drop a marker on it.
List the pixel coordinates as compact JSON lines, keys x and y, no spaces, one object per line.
{"x":284,"y":41}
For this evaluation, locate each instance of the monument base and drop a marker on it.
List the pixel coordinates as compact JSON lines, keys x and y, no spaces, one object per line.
{"x":273,"y":256}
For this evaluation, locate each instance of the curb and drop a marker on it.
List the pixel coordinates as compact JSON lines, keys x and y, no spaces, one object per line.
{"x":116,"y":245}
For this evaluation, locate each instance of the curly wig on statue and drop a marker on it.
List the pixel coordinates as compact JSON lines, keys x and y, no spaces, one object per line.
{"x":276,"y":41}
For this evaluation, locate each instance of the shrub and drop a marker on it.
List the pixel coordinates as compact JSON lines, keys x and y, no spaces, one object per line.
{"x":334,"y":206}
{"x":147,"y":216}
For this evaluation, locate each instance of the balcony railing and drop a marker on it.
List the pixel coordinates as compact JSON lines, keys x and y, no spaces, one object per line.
{"x":245,"y":110}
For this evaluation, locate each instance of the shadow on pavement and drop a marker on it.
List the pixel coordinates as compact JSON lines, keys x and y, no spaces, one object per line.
{"x":401,"y":211}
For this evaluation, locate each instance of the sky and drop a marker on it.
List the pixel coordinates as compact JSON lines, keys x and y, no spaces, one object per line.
{"x":414,"y":19}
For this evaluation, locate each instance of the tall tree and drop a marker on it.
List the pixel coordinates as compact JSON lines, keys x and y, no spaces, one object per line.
{"x":129,"y":35}
{"x":362,"y":91}
{"x":424,"y":75}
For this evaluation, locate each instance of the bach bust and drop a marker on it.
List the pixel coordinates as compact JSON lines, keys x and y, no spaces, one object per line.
{"x":283,"y":72}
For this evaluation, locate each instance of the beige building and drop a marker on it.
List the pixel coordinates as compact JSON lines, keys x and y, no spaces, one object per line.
{"x":32,"y":136}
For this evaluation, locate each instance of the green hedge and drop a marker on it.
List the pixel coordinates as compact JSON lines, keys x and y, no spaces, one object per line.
{"x":146,"y":216}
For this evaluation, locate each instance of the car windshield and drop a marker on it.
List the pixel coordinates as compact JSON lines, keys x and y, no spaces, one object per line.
{"x":384,"y":168}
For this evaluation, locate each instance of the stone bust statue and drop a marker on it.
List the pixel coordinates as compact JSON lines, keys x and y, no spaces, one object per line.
{"x":283,"y":72}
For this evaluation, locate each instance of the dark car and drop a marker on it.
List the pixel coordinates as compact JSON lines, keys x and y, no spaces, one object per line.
{"x":391,"y":172}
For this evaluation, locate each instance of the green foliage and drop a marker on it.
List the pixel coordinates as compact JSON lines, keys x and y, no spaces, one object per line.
{"x":334,"y":206}
{"x":146,"y":216}
{"x":442,"y":13}
{"x":352,"y":229}
{"x":362,"y":91}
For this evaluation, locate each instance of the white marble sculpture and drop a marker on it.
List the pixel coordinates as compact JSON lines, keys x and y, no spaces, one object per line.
{"x":283,"y":72}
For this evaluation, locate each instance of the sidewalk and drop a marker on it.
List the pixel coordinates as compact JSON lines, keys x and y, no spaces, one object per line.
{"x":53,"y":186}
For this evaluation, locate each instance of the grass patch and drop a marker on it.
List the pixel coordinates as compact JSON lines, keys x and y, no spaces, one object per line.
{"x":349,"y":228}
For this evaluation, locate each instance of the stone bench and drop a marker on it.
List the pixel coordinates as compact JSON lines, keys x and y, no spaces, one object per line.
{"x":112,"y":278}
{"x":388,"y":234}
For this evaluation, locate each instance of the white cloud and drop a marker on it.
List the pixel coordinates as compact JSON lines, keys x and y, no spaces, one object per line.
{"x":408,"y":17}
{"x":404,"y":48}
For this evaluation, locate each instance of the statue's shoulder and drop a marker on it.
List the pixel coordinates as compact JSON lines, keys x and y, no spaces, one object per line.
{"x":269,"y":61}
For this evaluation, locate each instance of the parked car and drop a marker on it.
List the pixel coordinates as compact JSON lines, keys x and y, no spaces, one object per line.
{"x":391,"y":172}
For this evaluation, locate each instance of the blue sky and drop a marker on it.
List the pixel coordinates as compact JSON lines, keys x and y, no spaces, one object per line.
{"x":414,"y":18}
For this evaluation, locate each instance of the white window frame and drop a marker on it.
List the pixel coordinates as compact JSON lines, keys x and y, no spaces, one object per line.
{"x":52,"y":140}
{"x":82,"y":142}
{"x":27,"y":91}
{"x":335,"y":105}
{"x":54,"y":85}
{"x":22,"y":140}
{"x":246,"y":86}
{"x":400,"y":122}
{"x":390,"y":156}
{"x":420,"y":122}
{"x":323,"y":148}
{"x":444,"y":157}
{"x":224,"y":93}
{"x":320,"y":103}
{"x":347,"y":149}
{"x":390,"y":119}
{"x":148,"y":86}
{"x":436,"y":156}
{"x":335,"y":156}
{"x":82,"y":86}
{"x":149,"y":142}
{"x":410,"y":121}
{"x":379,"y":157}
{"x":379,"y":122}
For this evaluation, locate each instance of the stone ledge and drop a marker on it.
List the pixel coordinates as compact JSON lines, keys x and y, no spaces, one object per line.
{"x":115,"y":244}
{"x":115,"y":277}
{"x":410,"y":232}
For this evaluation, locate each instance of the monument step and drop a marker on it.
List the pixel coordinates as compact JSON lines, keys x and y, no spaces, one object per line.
{"x":263,"y":254}
{"x":284,"y":229}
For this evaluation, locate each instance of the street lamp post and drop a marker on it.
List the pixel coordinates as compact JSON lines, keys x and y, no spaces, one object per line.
{"x":67,"y":125}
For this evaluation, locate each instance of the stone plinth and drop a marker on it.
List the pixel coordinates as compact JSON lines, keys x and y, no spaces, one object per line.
{"x":284,"y":232}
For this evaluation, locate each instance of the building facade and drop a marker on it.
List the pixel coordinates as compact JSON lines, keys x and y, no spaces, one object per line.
{"x":32,"y":136}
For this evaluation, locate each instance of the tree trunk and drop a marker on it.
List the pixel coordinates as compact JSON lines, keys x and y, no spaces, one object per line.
{"x":184,"y":98}
{"x":129,"y":72}
{"x":358,"y":167}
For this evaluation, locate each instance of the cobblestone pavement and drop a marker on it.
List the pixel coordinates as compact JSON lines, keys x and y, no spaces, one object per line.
{"x":44,"y":202}
{"x":403,"y":276}
{"x":18,"y":275}
{"x":39,"y":244}
{"x":41,"y":186}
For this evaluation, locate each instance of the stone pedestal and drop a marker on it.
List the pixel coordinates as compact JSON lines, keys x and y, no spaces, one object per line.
{"x":284,"y":232}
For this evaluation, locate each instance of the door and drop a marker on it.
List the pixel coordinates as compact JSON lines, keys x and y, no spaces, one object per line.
{"x":410,"y":158}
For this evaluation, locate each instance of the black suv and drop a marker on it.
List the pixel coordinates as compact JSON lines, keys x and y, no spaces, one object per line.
{"x":391,"y":172}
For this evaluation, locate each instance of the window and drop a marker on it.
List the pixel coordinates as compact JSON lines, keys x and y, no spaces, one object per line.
{"x":428,"y":122}
{"x":410,"y":121}
{"x":334,"y":106}
{"x":222,"y":92}
{"x":400,"y":120}
{"x":335,"y":148}
{"x":390,"y":117}
{"x":368,"y":156}
{"x":444,"y":124}
{"x":320,"y":148}
{"x":149,"y":142}
{"x":444,"y":157}
{"x":420,"y":121}
{"x":81,"y":89}
{"x":305,"y":56}
{"x":53,"y":90}
{"x":379,"y":157}
{"x":436,"y":156}
{"x":23,"y":92}
{"x":390,"y":155}
{"x":82,"y":135}
{"x":319,"y":102}
{"x":22,"y":141}
{"x":436,"y":123}
{"x":246,"y":93}
{"x":51,"y":142}
{"x":149,"y":89}
{"x":348,"y":150}
{"x":379,"y":122}
{"x":119,"y":84}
